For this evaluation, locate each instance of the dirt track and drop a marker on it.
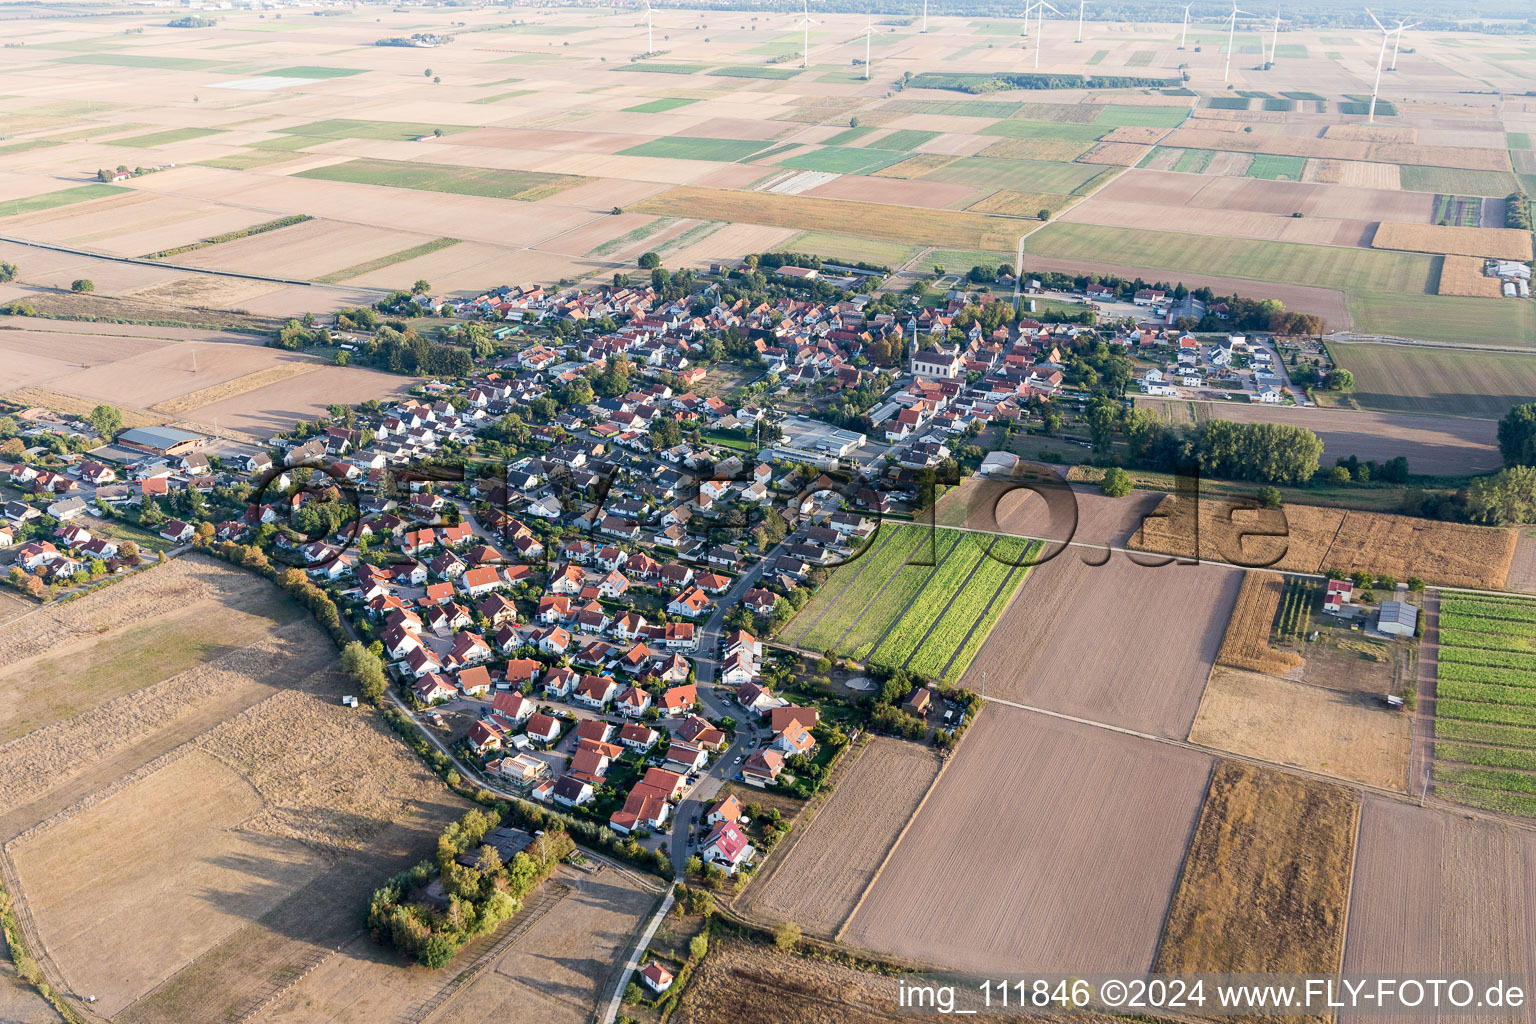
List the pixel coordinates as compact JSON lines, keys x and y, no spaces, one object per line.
{"x":1045,"y":846}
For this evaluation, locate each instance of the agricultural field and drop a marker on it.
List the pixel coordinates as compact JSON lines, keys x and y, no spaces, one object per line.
{"x":1047,"y":650}
{"x":1425,"y":380}
{"x":1265,"y":887}
{"x":1246,"y":643}
{"x":1086,"y":895}
{"x":1485,"y":703}
{"x":466,"y":181}
{"x":1494,"y":243}
{"x":941,"y":594}
{"x":250,"y":812}
{"x":837,"y":853}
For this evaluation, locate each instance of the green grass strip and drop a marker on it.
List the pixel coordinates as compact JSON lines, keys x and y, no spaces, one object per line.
{"x":231,"y":236}
{"x":388,"y":261}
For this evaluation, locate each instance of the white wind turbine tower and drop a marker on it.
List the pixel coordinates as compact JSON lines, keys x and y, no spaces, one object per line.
{"x":806,"y":22}
{"x":1274,"y":37}
{"x":869,"y":30}
{"x":1040,"y":27}
{"x":1184,"y":34}
{"x":1231,"y":35}
{"x":1397,"y":41}
{"x":650,"y":39}
{"x":925,"y":16}
{"x":1080,"y":20}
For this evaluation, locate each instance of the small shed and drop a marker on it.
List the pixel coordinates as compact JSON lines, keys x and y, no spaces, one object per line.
{"x":1398,"y":618}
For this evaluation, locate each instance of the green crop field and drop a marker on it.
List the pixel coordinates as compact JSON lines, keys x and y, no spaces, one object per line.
{"x":842,"y":160}
{"x":166,"y":137}
{"x":774,"y":71}
{"x":1116,"y":115}
{"x":1194,"y":161}
{"x":886,"y":613}
{"x":393,"y":131}
{"x":847,"y":247}
{"x":648,"y":65}
{"x":1098,"y":56}
{"x":921,"y":612}
{"x":1388,"y":292}
{"x":847,"y":135}
{"x":1022,"y":175}
{"x":660,"y":106}
{"x":1276,"y":168}
{"x":1518,"y":140}
{"x":248,"y":160}
{"x":954,"y":108}
{"x":688,"y":147}
{"x":960,"y":632}
{"x":1053,"y":130}
{"x":1455,"y":181}
{"x":379,"y":263}
{"x":129,"y":60}
{"x":50,"y":200}
{"x":836,"y":606}
{"x":1416,"y":379}
{"x":904,"y":139}
{"x":465,"y":181}
{"x":310,"y":71}
{"x":1485,"y":707}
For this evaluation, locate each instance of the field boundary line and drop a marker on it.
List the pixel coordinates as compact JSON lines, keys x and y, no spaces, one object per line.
{"x":950,"y":603}
{"x":904,"y":608}
{"x":837,"y":936}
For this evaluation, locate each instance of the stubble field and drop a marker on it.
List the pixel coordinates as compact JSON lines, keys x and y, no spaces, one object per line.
{"x":1445,"y":381}
{"x":834,"y":859}
{"x":1087,"y":894}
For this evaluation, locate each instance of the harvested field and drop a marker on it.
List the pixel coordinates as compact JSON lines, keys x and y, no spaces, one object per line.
{"x":1347,"y":735}
{"x":1266,"y":884}
{"x":1469,"y":911}
{"x":1450,"y":554}
{"x":1352,"y":172}
{"x":837,"y":853}
{"x":1415,"y":379}
{"x":916,"y":166}
{"x":1497,"y":243}
{"x":1372,"y":132}
{"x":1085,"y":895}
{"x":1036,"y":149}
{"x":1019,"y":204}
{"x":866,"y":220}
{"x":1117,"y":154}
{"x":1246,"y":644}
{"x":1141,"y":136}
{"x":1293,"y":538}
{"x":1463,"y":275}
{"x":231,"y":388}
{"x":1044,"y":653}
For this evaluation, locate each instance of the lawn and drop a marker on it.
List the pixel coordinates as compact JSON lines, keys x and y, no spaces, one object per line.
{"x":689,"y":147}
{"x":842,"y":160}
{"x":311,"y":71}
{"x":129,"y":60}
{"x":467,"y":181}
{"x":1116,"y":115}
{"x":1486,"y":702}
{"x":63,"y":197}
{"x":1456,"y":181}
{"x":166,"y":137}
{"x":1276,"y":168}
{"x":659,"y":106}
{"x":1436,"y":380}
{"x":393,"y":131}
{"x":830,"y":246}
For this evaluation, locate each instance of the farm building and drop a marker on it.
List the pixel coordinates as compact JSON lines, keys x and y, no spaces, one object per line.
{"x":161,"y":440}
{"x":1339,"y":594}
{"x":1398,"y":618}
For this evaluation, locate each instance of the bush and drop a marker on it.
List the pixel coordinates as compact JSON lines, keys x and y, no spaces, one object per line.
{"x":786,"y":935}
{"x":1116,"y":482}
{"x":1269,"y":497}
{"x":82,"y":285}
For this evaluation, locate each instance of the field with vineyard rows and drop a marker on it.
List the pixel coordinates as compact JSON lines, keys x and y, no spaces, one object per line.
{"x":1485,"y":708}
{"x":959,"y":633}
{"x":1296,"y":608}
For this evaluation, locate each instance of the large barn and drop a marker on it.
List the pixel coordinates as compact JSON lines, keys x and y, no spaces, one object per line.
{"x":161,"y":440}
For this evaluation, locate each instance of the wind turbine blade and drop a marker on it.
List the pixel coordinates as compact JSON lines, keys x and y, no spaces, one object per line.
{"x":1405,"y":28}
{"x":1376,"y":20}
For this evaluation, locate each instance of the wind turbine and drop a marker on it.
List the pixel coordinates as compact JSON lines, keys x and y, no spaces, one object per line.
{"x":1231,"y":34}
{"x":1029,"y":11}
{"x":869,"y":30}
{"x":1040,"y":27}
{"x":1274,"y":38}
{"x":1184,"y":34}
{"x":806,"y":22}
{"x":925,"y":16}
{"x":1381,"y":56}
{"x":649,"y":38}
{"x":1398,"y":41}
{"x":1080,"y":20}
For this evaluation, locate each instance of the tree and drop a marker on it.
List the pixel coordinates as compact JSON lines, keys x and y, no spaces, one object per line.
{"x":82,"y":285}
{"x":1043,"y":213}
{"x":437,"y":951}
{"x":365,"y":669}
{"x":8,"y":271}
{"x":420,"y":288}
{"x":1338,"y":475}
{"x":1269,"y":497}
{"x":786,"y":935}
{"x":106,"y":420}
{"x":436,"y":79}
{"x":427,"y":73}
{"x":649,"y":261}
{"x":1517,"y":435}
{"x":1341,"y":379}
{"x":1116,"y":482}
{"x":853,"y":122}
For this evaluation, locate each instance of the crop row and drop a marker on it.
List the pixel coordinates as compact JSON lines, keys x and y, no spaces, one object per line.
{"x":1524,"y":696}
{"x":1483,"y":624}
{"x":944,"y":586}
{"x":860,"y":580}
{"x":1486,"y":641}
{"x":1514,"y":610}
{"x":952,"y":628}
{"x":1494,"y":659}
{"x":1485,"y":674}
{"x":1478,"y":732}
{"x":1011,"y":585}
{"x":1477,"y":711}
{"x":1487,"y":778}
{"x":1295,"y":614}
{"x":888,"y":608}
{"x":1490,"y":799}
{"x":1492,"y":757}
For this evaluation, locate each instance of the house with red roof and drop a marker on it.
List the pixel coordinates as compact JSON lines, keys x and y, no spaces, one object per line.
{"x":727,"y":846}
